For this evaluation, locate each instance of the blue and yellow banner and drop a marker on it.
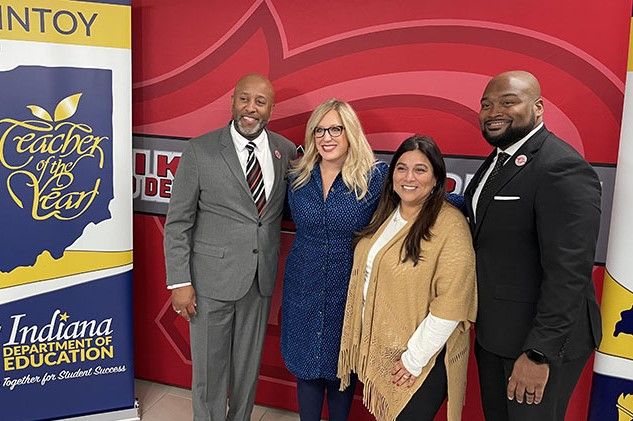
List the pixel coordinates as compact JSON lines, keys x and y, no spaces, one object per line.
{"x":65,"y":209}
{"x":612,"y":387}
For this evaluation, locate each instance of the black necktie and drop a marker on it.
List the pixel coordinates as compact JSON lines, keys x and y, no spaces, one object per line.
{"x":255,"y":178}
{"x":489,"y":188}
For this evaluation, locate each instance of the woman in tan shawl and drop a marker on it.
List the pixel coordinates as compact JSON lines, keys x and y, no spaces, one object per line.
{"x":412,"y":294}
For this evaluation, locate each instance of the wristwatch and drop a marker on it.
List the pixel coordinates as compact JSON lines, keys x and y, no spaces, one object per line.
{"x":535,"y":356}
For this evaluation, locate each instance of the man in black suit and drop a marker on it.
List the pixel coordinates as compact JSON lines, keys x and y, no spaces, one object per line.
{"x":535,"y":218}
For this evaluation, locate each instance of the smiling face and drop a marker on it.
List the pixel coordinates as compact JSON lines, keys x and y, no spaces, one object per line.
{"x":511,"y":107}
{"x":252,"y":104}
{"x":413,"y":178}
{"x":333,"y":150}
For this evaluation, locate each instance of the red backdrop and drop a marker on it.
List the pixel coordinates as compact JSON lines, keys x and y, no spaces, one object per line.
{"x":414,"y":67}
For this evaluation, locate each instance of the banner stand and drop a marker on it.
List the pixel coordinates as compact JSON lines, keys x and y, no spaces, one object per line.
{"x":133,"y":414}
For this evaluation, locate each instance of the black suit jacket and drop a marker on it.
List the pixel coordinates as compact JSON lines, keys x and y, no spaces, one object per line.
{"x":535,"y":244}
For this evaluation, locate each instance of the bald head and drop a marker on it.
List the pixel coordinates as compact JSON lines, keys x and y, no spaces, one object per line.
{"x":511,"y":107}
{"x":252,"y":104}
{"x":520,"y":80}
{"x":257,"y":80}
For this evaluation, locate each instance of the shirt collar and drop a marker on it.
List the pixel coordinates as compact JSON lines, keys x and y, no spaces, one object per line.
{"x":240,"y":141}
{"x":512,"y":149}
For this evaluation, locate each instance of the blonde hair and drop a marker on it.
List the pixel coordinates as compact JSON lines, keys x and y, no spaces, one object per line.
{"x":359,"y":160}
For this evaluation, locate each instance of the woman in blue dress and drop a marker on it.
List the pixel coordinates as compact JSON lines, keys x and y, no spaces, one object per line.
{"x":332,"y":193}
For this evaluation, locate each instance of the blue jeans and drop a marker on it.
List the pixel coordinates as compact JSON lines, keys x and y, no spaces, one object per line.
{"x":312,"y":392}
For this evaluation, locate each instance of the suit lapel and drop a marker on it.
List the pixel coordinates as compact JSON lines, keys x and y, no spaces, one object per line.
{"x":275,"y":152}
{"x":472,"y":186}
{"x":511,"y":169}
{"x":229,"y":154}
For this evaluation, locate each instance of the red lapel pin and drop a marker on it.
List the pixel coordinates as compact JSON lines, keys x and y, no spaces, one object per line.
{"x":520,"y":160}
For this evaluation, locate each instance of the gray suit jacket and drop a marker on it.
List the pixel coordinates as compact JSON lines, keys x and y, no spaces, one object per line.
{"x":214,"y":237}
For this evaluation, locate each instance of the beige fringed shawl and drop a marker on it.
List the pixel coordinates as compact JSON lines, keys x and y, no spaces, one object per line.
{"x":399,"y":297}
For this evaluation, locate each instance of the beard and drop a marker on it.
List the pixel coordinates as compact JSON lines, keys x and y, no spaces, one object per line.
{"x":249,"y":132}
{"x":511,"y":135}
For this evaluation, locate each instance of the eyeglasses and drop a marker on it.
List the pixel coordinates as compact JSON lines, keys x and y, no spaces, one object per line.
{"x":334,"y":131}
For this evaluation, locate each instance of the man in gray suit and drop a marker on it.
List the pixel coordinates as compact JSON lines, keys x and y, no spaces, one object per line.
{"x":221,"y":248}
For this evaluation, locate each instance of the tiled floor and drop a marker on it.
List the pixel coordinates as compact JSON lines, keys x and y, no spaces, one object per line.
{"x":160,"y":402}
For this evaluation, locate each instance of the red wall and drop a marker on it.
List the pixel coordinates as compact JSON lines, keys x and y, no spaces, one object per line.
{"x":417,"y":67}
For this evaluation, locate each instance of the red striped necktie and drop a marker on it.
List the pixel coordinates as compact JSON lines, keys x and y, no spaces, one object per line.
{"x":255,"y":178}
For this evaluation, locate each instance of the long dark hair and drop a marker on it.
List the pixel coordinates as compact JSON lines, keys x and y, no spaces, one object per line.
{"x":389,"y":200}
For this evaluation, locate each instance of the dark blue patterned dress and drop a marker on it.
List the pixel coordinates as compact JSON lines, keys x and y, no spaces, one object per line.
{"x":318,"y":270}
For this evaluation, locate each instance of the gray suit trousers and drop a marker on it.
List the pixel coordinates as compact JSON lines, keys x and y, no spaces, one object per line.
{"x":227,"y":328}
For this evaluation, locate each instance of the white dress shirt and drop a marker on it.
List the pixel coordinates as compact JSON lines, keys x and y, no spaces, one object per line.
{"x":262,"y":152}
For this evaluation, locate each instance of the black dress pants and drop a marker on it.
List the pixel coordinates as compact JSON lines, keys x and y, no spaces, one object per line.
{"x":494,"y":372}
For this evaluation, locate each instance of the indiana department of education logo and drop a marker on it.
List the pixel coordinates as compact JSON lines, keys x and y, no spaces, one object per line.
{"x":60,"y":341}
{"x":59,"y":349}
{"x":55,"y":159}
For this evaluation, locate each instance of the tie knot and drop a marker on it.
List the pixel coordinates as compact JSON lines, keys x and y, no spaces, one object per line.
{"x":251,"y":146}
{"x":502,"y":157}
